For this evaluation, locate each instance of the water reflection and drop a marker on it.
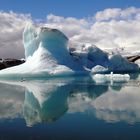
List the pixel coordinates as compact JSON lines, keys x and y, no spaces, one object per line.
{"x":47,"y":101}
{"x":11,"y":101}
{"x":119,"y":106}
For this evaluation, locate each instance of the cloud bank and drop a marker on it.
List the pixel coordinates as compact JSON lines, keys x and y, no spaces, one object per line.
{"x":12,"y":25}
{"x":110,"y":28}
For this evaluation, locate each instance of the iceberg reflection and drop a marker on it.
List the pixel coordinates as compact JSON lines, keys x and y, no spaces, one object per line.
{"x":47,"y":101}
{"x":44,"y":107}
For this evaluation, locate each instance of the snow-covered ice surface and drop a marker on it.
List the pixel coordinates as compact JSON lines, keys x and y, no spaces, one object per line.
{"x":47,"y":55}
{"x":99,"y":69}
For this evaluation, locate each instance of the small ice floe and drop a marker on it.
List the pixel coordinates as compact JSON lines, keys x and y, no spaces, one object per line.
{"x":102,"y":78}
{"x":99,"y":69}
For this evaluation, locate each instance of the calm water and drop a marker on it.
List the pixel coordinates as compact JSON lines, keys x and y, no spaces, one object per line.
{"x":70,"y":108}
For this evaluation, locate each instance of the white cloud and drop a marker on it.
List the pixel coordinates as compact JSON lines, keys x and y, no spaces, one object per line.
{"x":108,"y":14}
{"x":12,"y":25}
{"x":117,"y":14}
{"x":70,"y":26}
{"x":110,"y":28}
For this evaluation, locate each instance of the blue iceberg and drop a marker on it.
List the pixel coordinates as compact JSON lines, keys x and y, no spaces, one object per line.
{"x":48,"y":54}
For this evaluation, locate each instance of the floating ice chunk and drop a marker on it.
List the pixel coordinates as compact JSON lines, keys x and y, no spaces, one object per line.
{"x":99,"y":69}
{"x":119,"y":77}
{"x":102,"y":78}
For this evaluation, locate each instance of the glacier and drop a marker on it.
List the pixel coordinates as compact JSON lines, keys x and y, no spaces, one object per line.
{"x":48,"y":54}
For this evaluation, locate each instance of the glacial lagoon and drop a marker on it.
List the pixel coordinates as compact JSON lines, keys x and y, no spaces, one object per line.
{"x":70,"y":108}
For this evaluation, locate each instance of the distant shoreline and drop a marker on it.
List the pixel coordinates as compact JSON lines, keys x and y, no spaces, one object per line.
{"x":9,"y":62}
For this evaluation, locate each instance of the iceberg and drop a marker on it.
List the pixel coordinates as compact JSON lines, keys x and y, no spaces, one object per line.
{"x":102,"y":78}
{"x":118,"y":63}
{"x":48,"y":54}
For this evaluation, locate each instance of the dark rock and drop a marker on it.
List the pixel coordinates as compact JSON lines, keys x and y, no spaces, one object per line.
{"x":133,"y":58}
{"x":5,"y":63}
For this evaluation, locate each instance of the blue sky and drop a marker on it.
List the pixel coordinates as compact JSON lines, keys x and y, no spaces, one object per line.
{"x":66,"y":8}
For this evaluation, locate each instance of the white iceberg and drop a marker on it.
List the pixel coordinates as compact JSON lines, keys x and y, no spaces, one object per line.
{"x":47,"y":54}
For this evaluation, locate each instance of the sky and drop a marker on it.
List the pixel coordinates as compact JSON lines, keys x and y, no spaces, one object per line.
{"x":105,"y":23}
{"x":66,"y":8}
